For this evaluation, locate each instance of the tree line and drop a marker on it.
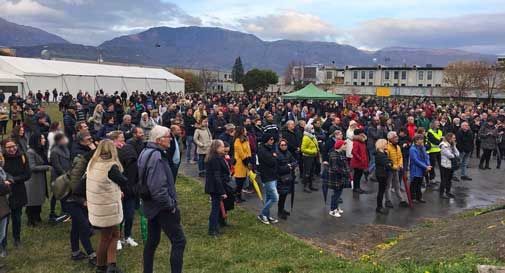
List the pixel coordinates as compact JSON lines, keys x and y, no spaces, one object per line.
{"x":463,"y":77}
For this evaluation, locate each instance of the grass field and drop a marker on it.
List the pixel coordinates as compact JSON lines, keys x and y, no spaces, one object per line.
{"x":246,"y":246}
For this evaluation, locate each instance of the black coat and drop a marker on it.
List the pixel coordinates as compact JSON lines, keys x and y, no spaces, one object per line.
{"x":18,"y":167}
{"x":267,"y":163}
{"x":283,"y":159}
{"x":60,"y":160}
{"x":293,"y":140}
{"x":464,"y":141}
{"x":382,"y":164}
{"x":137,"y":145}
{"x":128,"y":158}
{"x":217,"y":176}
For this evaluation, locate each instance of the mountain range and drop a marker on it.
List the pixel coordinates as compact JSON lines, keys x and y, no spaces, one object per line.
{"x":217,"y":48}
{"x":12,"y":34}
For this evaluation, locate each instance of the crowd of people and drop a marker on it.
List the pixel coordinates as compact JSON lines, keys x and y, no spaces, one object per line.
{"x":115,"y":153}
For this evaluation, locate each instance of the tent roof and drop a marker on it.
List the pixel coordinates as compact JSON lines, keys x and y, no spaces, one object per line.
{"x":7,"y":77}
{"x":312,"y":92}
{"x":39,"y":67}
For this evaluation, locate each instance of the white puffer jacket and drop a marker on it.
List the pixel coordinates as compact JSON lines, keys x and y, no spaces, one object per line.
{"x":448,"y":152}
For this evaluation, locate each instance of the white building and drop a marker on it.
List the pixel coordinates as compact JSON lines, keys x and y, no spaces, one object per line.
{"x":36,"y":74}
{"x":395,"y":76}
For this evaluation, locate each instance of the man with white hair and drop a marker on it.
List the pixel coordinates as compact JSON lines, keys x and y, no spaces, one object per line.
{"x":393,"y":180}
{"x":157,"y":190}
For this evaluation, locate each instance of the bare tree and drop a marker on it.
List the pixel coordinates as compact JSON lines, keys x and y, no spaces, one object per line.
{"x":491,"y":78}
{"x":462,"y":77}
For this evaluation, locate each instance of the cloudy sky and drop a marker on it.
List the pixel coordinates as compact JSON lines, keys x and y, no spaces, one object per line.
{"x":368,"y":24}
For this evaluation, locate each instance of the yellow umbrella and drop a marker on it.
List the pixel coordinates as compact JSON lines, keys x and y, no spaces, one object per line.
{"x":252,"y":177}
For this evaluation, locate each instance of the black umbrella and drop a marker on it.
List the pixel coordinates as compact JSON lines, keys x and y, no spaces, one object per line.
{"x":324,"y":178}
{"x":292,"y":193}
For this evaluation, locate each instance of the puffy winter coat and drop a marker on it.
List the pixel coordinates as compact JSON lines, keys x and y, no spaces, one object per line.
{"x":105,"y":208}
{"x":448,"y":152}
{"x":419,"y":161}
{"x":242,"y":154}
{"x":359,"y":158}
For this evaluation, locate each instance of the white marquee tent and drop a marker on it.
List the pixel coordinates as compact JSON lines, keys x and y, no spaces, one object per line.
{"x":38,"y":74}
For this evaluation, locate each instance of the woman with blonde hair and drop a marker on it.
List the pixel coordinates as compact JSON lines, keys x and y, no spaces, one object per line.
{"x":98,"y":117}
{"x":349,"y":137}
{"x":103,"y":191}
{"x":383,"y":166}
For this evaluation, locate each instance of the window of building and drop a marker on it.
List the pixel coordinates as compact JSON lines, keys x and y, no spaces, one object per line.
{"x":429,"y":85}
{"x":438,"y":85}
{"x":421,"y":75}
{"x":225,"y":76}
{"x":370,"y":74}
{"x":355,"y":83}
{"x":370,"y":83}
{"x":329,"y":75}
{"x":387,"y":84}
{"x":386,"y":75}
{"x":420,"y":85}
{"x":396,"y":75}
{"x":355,"y":74}
{"x":430,"y":75}
{"x":404,"y":75}
{"x":362,"y":83}
{"x":363,"y":75}
{"x":395,"y":84}
{"x":403,"y":84}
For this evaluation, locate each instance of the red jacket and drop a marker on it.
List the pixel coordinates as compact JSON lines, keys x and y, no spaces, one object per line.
{"x":359,"y":158}
{"x":411,"y":129}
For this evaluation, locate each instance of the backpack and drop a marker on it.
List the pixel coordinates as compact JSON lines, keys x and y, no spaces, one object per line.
{"x":70,"y":181}
{"x":141,"y":190}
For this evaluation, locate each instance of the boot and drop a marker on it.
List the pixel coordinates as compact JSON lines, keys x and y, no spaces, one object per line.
{"x":112,"y":268}
{"x":312,"y":188}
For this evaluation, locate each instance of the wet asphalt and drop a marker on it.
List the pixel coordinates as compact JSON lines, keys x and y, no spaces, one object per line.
{"x":310,"y":218}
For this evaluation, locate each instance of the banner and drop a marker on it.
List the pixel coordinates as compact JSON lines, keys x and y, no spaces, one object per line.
{"x":383,"y":91}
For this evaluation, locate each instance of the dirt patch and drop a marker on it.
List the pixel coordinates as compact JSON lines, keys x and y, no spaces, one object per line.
{"x":446,"y":239}
{"x":358,"y":242}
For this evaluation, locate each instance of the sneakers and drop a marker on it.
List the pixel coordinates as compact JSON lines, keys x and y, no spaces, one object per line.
{"x":263,"y":219}
{"x":466,"y":178}
{"x":381,"y":211}
{"x":450,"y":195}
{"x":79,"y":256}
{"x":389,"y":204}
{"x":119,"y":245}
{"x":335,"y":213}
{"x":273,"y":220}
{"x":129,"y":241}
{"x":340,"y":210}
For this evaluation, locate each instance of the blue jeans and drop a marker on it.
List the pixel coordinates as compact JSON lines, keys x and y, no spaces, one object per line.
{"x":129,"y":205}
{"x":371,"y":164}
{"x":214,"y":213}
{"x":271,"y":197}
{"x":80,"y":227}
{"x":3,"y":228}
{"x":464,"y":162}
{"x":190,"y":149}
{"x":337,"y":193}
{"x":201,"y":163}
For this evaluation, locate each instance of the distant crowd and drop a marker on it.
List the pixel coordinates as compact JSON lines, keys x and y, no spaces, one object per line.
{"x":114,"y":154}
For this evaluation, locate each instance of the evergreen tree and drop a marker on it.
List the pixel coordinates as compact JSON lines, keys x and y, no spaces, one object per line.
{"x":237,"y":74}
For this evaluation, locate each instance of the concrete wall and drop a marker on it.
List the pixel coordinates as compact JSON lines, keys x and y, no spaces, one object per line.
{"x":403,"y":91}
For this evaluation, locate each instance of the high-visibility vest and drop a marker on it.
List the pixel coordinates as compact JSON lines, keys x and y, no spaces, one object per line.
{"x":433,"y":147}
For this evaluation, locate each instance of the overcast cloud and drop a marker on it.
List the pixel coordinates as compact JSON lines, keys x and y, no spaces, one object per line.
{"x":465,"y":26}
